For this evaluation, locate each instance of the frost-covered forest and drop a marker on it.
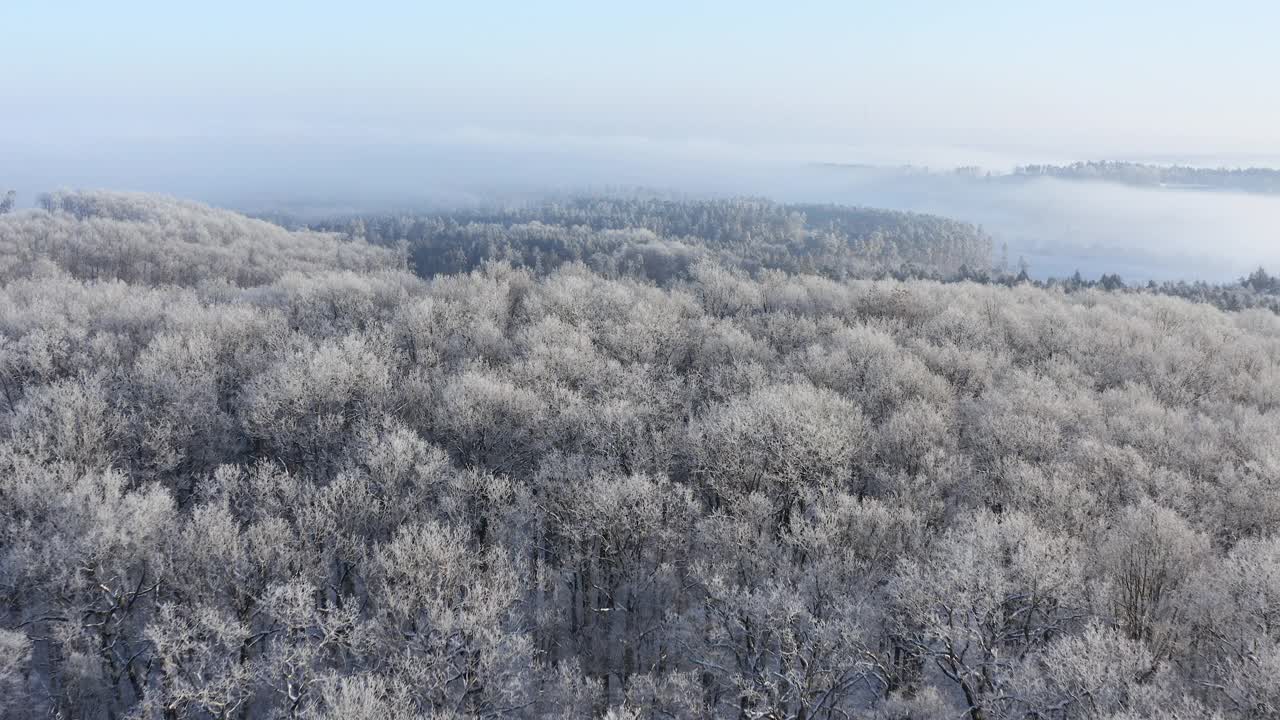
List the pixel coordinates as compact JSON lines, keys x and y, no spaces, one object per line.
{"x":660,"y":239}
{"x":694,"y":466}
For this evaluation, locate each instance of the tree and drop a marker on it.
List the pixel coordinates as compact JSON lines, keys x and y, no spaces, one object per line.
{"x":442,"y":622}
{"x":996,"y":590}
{"x":1099,"y":673}
{"x":1111,"y":283}
{"x":1148,"y":557}
{"x":15,"y":653}
{"x":1260,"y":281}
{"x":777,"y":442}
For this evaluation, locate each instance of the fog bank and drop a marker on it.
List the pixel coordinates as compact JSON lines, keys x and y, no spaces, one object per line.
{"x":1058,"y":226}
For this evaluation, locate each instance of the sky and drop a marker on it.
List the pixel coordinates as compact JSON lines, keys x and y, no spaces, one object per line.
{"x":819,"y":80}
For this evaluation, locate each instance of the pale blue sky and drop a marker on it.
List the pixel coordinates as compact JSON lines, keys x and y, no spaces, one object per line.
{"x":1137,"y":74}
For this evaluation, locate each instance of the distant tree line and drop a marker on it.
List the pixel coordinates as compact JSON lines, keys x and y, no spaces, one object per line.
{"x":1259,"y":289}
{"x":246,"y":472}
{"x":1253,"y":179}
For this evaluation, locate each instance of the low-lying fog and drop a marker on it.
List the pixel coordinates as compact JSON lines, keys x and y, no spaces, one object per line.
{"x":1058,"y":226}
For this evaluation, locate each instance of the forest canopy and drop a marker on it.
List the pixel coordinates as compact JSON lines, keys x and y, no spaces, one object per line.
{"x":660,"y":239}
{"x":254,"y":472}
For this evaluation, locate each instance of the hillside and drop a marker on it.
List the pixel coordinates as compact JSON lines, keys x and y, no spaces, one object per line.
{"x":661,"y":239}
{"x":249,"y":472}
{"x":145,"y":239}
